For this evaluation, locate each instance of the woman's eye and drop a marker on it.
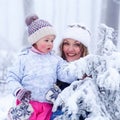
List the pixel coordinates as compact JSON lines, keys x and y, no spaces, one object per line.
{"x":77,"y":45}
{"x":65,"y":43}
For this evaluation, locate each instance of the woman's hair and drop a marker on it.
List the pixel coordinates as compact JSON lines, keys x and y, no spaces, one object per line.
{"x":82,"y":47}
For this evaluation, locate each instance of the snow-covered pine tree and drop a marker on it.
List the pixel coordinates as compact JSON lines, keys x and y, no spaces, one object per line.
{"x":98,"y":97}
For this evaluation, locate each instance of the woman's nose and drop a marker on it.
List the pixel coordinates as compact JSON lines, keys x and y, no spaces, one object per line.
{"x":71,"y":48}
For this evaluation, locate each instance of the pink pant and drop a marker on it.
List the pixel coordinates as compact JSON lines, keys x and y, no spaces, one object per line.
{"x":42,"y":111}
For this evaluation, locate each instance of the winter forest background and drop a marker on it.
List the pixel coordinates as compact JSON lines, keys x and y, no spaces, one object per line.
{"x":59,"y":13}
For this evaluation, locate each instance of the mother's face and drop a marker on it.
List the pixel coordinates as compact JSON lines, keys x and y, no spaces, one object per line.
{"x":72,"y":49}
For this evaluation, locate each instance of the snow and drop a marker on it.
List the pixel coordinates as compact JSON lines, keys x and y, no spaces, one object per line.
{"x":6,"y":102}
{"x":96,"y":97}
{"x":6,"y":98}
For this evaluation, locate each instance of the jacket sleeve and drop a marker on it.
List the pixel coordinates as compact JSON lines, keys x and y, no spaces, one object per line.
{"x":71,"y":71}
{"x":14,"y":76}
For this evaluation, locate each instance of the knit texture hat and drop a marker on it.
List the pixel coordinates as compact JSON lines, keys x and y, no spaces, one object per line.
{"x":38,"y":28}
{"x":79,"y":33}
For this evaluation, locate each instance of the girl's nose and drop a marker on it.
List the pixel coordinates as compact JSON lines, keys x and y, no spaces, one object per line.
{"x":50,"y":43}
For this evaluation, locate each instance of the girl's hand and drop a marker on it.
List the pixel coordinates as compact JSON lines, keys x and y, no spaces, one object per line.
{"x":24,"y":95}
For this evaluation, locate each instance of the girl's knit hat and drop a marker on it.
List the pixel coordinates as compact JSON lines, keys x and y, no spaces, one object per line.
{"x":38,"y":28}
{"x":79,"y":33}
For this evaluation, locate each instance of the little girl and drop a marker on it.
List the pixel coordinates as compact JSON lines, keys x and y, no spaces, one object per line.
{"x":37,"y":69}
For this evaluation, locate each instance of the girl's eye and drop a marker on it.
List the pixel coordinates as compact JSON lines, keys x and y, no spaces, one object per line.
{"x":46,"y":40}
{"x":52,"y":41}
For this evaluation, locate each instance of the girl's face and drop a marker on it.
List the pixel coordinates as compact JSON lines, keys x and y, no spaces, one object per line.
{"x":45,"y":44}
{"x":72,"y":49}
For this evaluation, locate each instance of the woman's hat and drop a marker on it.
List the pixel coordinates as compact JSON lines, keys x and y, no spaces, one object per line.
{"x":79,"y":33}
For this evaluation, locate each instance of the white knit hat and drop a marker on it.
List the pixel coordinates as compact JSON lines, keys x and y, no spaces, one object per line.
{"x":38,"y":28}
{"x":79,"y":33}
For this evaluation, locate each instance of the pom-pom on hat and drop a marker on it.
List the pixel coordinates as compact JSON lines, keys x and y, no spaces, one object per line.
{"x":79,"y":33}
{"x":38,"y":28}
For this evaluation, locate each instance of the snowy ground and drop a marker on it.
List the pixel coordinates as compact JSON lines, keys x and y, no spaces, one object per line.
{"x":6,"y":101}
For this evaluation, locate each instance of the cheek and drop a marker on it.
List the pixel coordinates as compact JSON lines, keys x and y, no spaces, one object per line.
{"x":78,"y":50}
{"x":42,"y":46}
{"x":65,"y":49}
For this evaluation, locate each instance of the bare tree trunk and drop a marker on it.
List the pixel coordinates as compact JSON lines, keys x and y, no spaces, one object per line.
{"x":110,"y":13}
{"x":28,"y":6}
{"x":28,"y":9}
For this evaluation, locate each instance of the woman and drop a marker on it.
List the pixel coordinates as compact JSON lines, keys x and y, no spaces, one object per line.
{"x":74,"y":45}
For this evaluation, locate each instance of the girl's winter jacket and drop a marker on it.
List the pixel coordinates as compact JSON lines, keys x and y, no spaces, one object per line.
{"x":37,"y":73}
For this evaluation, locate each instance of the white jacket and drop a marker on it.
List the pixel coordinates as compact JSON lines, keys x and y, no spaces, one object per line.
{"x":37,"y":73}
